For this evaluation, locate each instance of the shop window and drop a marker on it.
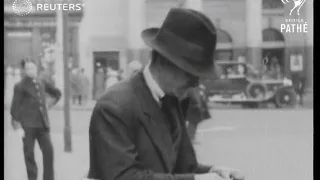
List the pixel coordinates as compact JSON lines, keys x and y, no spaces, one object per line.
{"x":272,"y":4}
{"x":272,"y":35}
{"x":224,"y":46}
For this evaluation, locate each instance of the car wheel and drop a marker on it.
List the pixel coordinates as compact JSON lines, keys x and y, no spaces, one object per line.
{"x":256,"y":91}
{"x":285,"y":98}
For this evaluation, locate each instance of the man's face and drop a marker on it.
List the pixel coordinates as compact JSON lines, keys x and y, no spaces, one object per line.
{"x":177,"y":81}
{"x":31,"y":69}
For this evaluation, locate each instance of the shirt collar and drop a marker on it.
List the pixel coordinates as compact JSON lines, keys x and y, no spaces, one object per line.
{"x":156,"y":91}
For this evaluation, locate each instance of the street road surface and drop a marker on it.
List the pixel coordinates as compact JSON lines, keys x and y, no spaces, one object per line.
{"x":264,"y":144}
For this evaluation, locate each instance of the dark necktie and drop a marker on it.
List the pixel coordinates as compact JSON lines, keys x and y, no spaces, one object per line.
{"x":171,"y":107}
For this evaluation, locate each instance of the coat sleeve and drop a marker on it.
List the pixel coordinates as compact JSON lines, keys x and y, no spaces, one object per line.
{"x":112,"y":152}
{"x":187,"y":161}
{"x":16,"y":103}
{"x":52,"y":91}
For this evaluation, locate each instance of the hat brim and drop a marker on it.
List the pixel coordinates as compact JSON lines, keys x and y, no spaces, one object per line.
{"x":208,"y":72}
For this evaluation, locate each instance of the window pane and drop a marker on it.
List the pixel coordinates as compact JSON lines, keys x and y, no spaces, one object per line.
{"x":272,"y":35}
{"x":272,"y":4}
{"x":223,"y":37}
{"x":223,"y":55}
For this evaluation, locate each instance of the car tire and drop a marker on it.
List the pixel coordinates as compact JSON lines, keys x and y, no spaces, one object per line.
{"x":285,"y":98}
{"x":254,"y":90}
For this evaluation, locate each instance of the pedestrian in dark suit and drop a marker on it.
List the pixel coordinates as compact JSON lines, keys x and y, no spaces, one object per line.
{"x":197,"y":110}
{"x":298,"y":80}
{"x":137,"y":129}
{"x":29,"y":112}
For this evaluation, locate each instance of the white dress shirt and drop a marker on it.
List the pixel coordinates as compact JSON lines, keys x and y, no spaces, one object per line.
{"x":156,"y":91}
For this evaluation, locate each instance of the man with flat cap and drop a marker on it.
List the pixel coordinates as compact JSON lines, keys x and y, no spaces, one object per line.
{"x":137,"y":129}
{"x":29,"y":111}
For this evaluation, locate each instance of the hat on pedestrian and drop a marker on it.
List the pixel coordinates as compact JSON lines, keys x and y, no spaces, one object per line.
{"x":187,"y":38}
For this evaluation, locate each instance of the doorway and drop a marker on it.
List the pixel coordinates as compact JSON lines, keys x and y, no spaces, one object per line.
{"x":277,"y":53}
{"x":102,"y":61}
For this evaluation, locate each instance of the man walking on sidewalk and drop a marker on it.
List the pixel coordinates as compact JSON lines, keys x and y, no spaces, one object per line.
{"x":30,"y":118}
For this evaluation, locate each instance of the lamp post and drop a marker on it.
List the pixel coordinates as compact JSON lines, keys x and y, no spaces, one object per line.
{"x":65,"y":50}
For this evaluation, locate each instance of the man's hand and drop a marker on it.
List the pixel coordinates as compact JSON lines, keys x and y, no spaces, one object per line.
{"x":50,"y":102}
{"x":227,"y":173}
{"x":17,"y":127}
{"x":15,"y":124}
{"x":21,"y":133}
{"x":208,"y":176}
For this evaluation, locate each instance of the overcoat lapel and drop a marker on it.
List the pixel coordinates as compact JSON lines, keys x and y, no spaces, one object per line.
{"x":154,"y":121}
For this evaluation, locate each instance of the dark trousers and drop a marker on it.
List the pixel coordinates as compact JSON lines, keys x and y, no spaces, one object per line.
{"x":44,"y":140}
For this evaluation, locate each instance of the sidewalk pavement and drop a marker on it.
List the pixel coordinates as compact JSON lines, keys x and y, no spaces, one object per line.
{"x":261,"y":148}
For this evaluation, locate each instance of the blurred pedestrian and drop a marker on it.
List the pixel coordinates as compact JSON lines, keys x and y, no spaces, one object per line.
{"x":85,"y":86}
{"x":134,"y":68}
{"x":298,"y":81}
{"x":112,"y":78}
{"x":137,"y":129}
{"x":29,"y":111}
{"x":275,"y":69}
{"x":100,"y":83}
{"x":76,"y":86}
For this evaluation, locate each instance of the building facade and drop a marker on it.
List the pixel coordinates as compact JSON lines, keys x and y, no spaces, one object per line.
{"x":110,"y":32}
{"x":30,"y":36}
{"x":107,"y":33}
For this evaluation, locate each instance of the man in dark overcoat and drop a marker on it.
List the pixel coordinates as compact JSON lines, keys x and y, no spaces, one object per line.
{"x":137,"y":129}
{"x":29,"y":111}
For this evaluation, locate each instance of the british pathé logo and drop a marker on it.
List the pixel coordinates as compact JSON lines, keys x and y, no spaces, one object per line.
{"x":297,"y":24}
{"x":297,"y":5}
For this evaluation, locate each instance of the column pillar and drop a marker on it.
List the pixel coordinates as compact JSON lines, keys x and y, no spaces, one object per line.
{"x":254,"y":32}
{"x":136,"y":24}
{"x":193,"y":4}
{"x":58,"y":65}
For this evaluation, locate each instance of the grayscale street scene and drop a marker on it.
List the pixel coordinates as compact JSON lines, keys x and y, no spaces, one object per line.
{"x":158,"y":90}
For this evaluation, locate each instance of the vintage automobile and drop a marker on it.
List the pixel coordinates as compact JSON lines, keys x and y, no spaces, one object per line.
{"x":240,"y":83}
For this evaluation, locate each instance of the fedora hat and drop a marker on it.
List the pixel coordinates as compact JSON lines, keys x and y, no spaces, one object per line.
{"x":187,"y":38}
